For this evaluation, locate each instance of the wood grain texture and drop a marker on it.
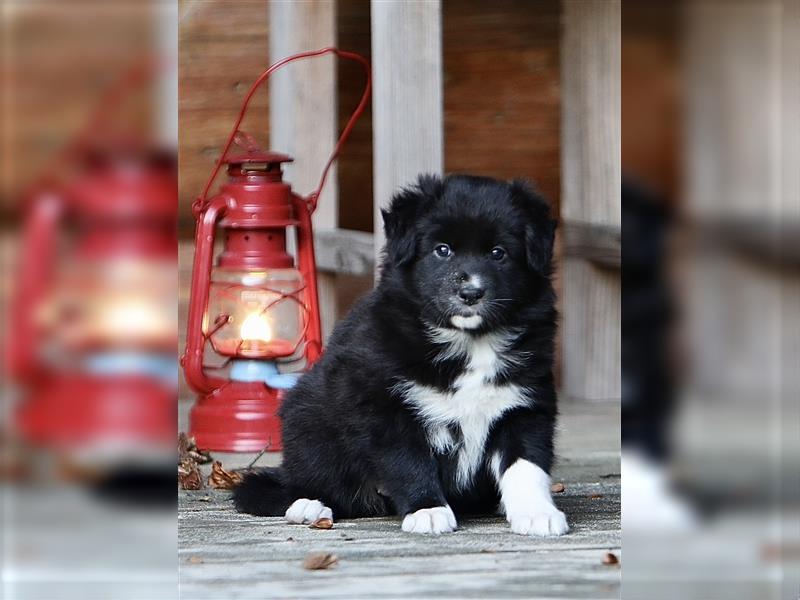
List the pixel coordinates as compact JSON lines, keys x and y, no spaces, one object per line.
{"x":355,"y":162}
{"x":599,"y":244}
{"x":590,"y":119}
{"x":223,"y":46}
{"x":407,"y":97}
{"x":502,"y":90}
{"x":590,"y":152}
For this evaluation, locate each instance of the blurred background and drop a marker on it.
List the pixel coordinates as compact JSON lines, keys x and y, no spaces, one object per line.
{"x":88,"y":216}
{"x":710,"y":96}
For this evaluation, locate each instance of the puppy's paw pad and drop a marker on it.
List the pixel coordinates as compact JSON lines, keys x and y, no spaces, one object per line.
{"x":439,"y":519}
{"x":543,"y":522}
{"x":304,"y":510}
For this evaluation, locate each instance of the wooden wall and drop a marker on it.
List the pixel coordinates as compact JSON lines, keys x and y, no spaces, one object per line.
{"x":501,"y":91}
{"x":222,"y":47}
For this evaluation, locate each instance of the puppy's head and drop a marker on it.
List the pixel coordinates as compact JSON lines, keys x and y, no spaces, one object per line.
{"x":470,"y":250}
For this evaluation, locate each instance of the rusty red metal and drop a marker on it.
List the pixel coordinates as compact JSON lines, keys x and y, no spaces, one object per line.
{"x":253,"y":208}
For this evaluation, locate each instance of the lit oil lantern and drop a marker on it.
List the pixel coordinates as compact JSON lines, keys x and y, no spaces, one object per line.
{"x":254,"y":311}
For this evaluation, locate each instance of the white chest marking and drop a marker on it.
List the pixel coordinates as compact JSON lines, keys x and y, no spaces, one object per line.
{"x":473,"y":404}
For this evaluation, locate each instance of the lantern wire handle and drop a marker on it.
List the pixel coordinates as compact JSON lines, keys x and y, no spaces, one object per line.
{"x":348,"y":128}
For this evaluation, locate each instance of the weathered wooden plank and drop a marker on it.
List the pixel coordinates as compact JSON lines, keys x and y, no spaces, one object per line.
{"x":344,"y":251}
{"x":351,"y":252}
{"x":599,"y":244}
{"x":303,"y":114}
{"x":222,"y":551}
{"x":407,"y":97}
{"x":590,"y":183}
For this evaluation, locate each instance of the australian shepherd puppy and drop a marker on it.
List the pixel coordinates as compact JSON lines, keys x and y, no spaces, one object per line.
{"x":435,"y":395}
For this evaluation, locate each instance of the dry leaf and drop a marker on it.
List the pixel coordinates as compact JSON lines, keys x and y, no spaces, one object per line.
{"x":222,"y":479}
{"x":595,"y":496}
{"x":557,"y":488}
{"x":188,"y":449}
{"x":320,"y":560}
{"x":322,"y":524}
{"x":184,"y":444}
{"x":195,"y":560}
{"x":610,"y":559}
{"x":189,"y":477}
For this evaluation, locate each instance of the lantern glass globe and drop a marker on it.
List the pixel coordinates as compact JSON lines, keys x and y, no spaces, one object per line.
{"x":256,"y":314}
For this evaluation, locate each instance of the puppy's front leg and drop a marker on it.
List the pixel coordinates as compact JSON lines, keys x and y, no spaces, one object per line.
{"x":525,"y":498}
{"x":412,"y":482}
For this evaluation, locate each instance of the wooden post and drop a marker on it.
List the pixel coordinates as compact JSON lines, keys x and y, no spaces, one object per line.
{"x":408,"y":129}
{"x":303,"y":115}
{"x":590,"y":176}
{"x":739,"y":157}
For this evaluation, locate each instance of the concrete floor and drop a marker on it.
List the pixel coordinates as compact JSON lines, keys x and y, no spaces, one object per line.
{"x":223,"y":554}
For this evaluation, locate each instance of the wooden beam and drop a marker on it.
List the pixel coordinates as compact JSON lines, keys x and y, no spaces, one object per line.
{"x":345,"y":252}
{"x":590,"y":176}
{"x":407,"y":97}
{"x":599,"y":244}
{"x":303,"y":113}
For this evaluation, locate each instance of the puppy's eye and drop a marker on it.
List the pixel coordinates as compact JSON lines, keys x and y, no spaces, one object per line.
{"x":498,"y":253}
{"x":442,"y":251}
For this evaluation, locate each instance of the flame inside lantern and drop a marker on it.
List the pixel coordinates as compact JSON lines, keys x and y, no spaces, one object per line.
{"x":256,"y":327}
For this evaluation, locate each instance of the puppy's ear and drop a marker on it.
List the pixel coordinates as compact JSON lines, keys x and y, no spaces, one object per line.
{"x":399,"y":220}
{"x":540,"y":227}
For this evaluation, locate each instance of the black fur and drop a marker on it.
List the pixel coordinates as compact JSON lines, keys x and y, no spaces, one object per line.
{"x":349,"y":439}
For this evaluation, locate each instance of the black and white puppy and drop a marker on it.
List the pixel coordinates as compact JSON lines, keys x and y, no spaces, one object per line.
{"x":435,"y":395}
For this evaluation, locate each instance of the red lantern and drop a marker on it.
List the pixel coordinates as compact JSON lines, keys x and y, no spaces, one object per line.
{"x":255,"y":311}
{"x":91,"y":335}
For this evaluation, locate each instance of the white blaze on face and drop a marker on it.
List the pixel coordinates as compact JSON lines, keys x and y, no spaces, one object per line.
{"x":471,"y":322}
{"x":256,"y":327}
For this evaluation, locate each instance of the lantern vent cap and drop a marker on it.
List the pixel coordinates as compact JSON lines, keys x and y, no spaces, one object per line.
{"x":258,"y":157}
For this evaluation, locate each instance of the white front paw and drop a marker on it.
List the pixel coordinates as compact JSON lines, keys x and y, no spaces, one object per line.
{"x":304,"y":510}
{"x":439,"y":519}
{"x":544,"y":521}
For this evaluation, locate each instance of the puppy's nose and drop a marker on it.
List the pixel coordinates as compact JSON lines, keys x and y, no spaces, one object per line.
{"x":470,"y":294}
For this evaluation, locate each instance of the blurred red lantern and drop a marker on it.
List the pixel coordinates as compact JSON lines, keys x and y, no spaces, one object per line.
{"x":91,"y":325}
{"x":255,"y":310}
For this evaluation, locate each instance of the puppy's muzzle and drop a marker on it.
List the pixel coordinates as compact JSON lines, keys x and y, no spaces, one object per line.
{"x":470,"y":294}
